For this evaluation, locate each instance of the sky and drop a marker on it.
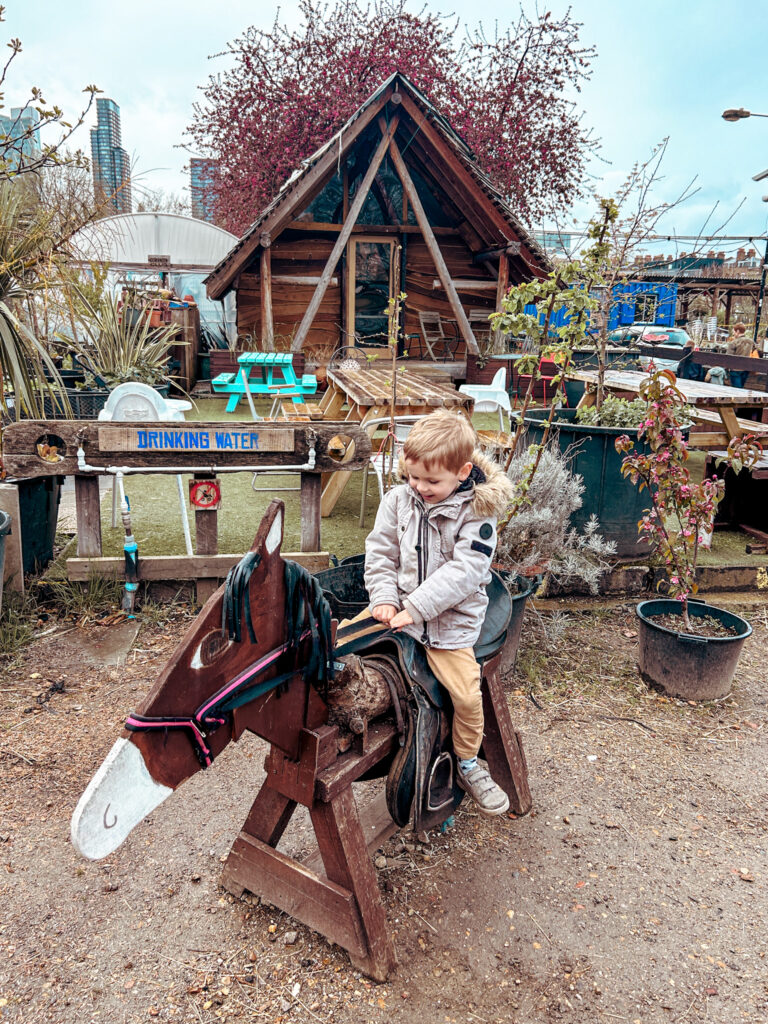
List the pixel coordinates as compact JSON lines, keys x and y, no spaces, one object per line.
{"x":664,"y":68}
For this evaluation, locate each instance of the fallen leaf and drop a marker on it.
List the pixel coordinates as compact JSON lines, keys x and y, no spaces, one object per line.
{"x":580,"y":885}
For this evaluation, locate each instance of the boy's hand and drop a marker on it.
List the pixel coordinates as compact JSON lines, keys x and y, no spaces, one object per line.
{"x":384,"y":612}
{"x":402,"y":618}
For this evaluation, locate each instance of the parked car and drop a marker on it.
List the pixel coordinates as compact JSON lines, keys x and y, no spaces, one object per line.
{"x":656,"y":334}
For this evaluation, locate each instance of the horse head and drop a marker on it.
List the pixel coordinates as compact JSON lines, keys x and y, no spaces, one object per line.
{"x":256,"y":657}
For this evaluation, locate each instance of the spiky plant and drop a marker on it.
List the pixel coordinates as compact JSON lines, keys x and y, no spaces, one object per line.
{"x":25,"y":243}
{"x":116,"y":347}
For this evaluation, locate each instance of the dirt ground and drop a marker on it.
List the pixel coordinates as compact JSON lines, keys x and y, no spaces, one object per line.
{"x":634,"y":891}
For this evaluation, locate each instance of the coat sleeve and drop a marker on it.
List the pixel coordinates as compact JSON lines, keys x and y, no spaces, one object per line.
{"x":382,"y":555}
{"x":456,"y":579}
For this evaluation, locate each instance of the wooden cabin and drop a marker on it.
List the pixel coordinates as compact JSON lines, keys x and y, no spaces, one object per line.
{"x":397,"y":187}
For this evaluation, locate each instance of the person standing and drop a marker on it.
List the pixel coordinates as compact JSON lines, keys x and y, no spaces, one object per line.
{"x":739,"y":345}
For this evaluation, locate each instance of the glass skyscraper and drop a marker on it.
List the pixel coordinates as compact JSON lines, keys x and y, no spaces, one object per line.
{"x":111,"y":166}
{"x":19,"y":137}
{"x":202,"y":179}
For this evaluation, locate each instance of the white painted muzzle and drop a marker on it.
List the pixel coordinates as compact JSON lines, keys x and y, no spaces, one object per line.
{"x":118,"y":797}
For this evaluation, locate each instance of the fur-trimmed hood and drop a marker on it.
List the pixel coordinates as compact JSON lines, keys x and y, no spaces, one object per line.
{"x":490,"y":487}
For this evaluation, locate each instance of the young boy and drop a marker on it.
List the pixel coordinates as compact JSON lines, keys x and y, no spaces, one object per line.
{"x":427,"y":561}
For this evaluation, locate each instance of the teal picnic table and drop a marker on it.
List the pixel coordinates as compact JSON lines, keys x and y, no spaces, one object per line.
{"x":265,"y":375}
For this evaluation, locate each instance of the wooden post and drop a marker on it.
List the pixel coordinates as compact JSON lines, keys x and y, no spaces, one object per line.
{"x":206,"y":543}
{"x":341,"y":241}
{"x":434,"y":249}
{"x":13,"y":570}
{"x":311,"y":489}
{"x":267,"y":325}
{"x":502,"y":284}
{"x":88,"y":511}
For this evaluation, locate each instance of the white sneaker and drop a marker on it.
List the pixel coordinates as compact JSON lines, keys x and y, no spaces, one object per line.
{"x":490,"y":798}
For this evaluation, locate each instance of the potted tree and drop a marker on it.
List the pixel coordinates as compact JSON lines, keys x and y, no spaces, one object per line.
{"x":686,"y":647}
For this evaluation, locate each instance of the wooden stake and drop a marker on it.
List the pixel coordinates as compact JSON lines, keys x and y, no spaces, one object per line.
{"x":267,"y":326}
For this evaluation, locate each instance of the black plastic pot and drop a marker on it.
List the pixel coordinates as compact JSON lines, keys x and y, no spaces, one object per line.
{"x":520,"y":589}
{"x":615,"y":500}
{"x":39,"y":499}
{"x":685,"y":664}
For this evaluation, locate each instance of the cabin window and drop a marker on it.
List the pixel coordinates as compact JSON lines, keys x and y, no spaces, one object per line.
{"x":327,"y":207}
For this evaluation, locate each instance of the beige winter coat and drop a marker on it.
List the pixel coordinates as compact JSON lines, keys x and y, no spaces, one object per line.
{"x":434,"y":560}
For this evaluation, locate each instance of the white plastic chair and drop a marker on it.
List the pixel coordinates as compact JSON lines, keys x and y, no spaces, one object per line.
{"x":491,"y":396}
{"x":378,"y":461}
{"x":135,"y":401}
{"x":138,"y":402}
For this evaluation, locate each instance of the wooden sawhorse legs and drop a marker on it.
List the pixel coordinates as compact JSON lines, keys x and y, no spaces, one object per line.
{"x":344,"y":903}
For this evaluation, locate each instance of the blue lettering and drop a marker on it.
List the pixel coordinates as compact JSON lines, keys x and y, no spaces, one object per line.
{"x":153,"y":439}
{"x":223,"y":440}
{"x":254,"y":441}
{"x":193,"y":440}
{"x":205,"y":441}
{"x":142,"y":439}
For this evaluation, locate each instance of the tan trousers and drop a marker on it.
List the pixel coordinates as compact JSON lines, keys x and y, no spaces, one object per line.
{"x":459,"y":673}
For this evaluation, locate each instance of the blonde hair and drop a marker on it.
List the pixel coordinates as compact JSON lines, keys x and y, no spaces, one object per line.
{"x":443,"y":438}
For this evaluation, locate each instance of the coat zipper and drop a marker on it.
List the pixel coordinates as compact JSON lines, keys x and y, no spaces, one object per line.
{"x":423,"y":564}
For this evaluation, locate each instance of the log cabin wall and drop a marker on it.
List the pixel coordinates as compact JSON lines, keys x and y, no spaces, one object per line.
{"x":294,"y":256}
{"x":420,"y":275}
{"x":297,"y":255}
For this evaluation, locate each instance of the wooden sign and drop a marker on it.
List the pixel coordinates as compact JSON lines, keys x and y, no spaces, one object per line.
{"x":189,"y":438}
{"x":33,"y":448}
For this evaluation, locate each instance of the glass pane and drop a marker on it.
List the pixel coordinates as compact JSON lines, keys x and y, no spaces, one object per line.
{"x":372,"y":260}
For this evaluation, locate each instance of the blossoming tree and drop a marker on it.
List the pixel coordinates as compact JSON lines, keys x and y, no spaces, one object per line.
{"x":287,"y":90}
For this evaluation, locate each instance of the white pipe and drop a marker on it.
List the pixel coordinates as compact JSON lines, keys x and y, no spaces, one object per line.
{"x":305,"y":467}
{"x":184,"y":520}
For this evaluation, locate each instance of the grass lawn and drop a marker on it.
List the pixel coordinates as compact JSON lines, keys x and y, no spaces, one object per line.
{"x":156,"y":512}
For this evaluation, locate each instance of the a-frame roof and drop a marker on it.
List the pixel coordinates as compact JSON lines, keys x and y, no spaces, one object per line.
{"x":432,"y":141}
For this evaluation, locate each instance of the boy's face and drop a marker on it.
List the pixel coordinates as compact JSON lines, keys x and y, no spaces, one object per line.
{"x":437,"y":482}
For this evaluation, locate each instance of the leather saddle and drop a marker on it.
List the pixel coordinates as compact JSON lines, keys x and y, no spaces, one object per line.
{"x":421,"y":783}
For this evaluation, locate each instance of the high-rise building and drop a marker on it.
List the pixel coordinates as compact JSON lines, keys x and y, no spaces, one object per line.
{"x":19,"y":137}
{"x":202,"y":188}
{"x":111,"y":166}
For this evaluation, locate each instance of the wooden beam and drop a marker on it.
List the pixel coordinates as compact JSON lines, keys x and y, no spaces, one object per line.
{"x":267,"y":325}
{"x":182,"y":567}
{"x":341,"y":241}
{"x":314,"y":226}
{"x":311,"y":489}
{"x":469,"y":284}
{"x":502,"y":284}
{"x":244,"y":444}
{"x":467,"y":181}
{"x":434,"y":249}
{"x":88,"y":513}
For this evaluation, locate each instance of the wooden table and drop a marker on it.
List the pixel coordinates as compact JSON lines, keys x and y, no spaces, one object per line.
{"x":710,"y":404}
{"x":368,"y":393}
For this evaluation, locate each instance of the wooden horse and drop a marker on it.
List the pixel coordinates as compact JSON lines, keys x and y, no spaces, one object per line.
{"x":259,"y":657}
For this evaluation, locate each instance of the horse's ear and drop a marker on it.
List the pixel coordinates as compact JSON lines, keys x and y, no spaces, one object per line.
{"x":269,"y":535}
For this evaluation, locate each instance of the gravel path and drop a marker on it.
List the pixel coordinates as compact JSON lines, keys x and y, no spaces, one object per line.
{"x":635,"y":891}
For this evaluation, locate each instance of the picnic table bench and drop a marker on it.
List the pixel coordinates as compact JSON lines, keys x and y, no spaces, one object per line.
{"x":711,"y":404}
{"x":367,"y":393}
{"x":265,"y":375}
